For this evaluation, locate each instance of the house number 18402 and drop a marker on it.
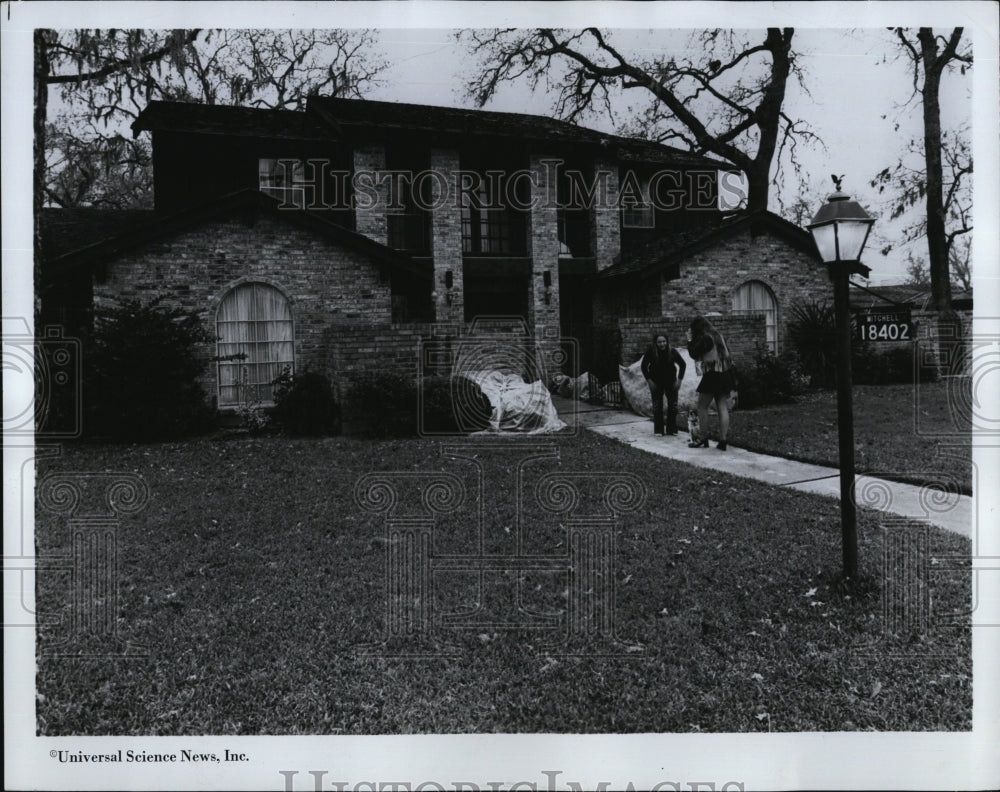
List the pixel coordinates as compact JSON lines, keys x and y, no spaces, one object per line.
{"x":885,"y":331}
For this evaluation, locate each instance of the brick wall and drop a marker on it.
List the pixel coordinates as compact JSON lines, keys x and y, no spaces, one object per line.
{"x":325,"y":283}
{"x":605,"y":217}
{"x":743,"y":334}
{"x":710,"y":278}
{"x":937,"y":345}
{"x":446,"y":233}
{"x":369,"y":212}
{"x":356,"y":349}
{"x":543,"y":240}
{"x":369,"y":348}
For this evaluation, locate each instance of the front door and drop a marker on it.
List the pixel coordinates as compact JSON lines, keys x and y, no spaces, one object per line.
{"x":576,"y":322}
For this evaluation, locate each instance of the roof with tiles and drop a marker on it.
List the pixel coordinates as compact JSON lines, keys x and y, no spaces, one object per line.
{"x":918,"y":297}
{"x":75,"y":237}
{"x":230,"y":120}
{"x":328,"y":117}
{"x":64,"y":231}
{"x":673,"y":248}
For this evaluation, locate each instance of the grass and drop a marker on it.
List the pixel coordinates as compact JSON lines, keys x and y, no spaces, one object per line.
{"x":920,"y":435}
{"x":252,"y":578}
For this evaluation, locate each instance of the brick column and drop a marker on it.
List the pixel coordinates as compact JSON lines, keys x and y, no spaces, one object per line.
{"x":370,"y":219}
{"x":446,"y":238}
{"x":543,"y":242}
{"x":605,"y":216}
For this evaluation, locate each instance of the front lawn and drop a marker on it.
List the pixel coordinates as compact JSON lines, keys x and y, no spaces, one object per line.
{"x":253,"y":581}
{"x":919,"y":434}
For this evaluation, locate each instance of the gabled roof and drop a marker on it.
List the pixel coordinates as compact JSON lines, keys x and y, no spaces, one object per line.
{"x":671,"y":249}
{"x":67,"y":230}
{"x":85,"y":237}
{"x":333,"y":118}
{"x":230,"y":120}
{"x":362,"y":114}
{"x":890,"y":295}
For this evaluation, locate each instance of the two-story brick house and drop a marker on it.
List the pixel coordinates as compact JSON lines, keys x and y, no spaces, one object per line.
{"x":339,"y":237}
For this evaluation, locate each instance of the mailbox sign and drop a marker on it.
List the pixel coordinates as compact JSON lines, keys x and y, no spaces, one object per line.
{"x":885,"y":325}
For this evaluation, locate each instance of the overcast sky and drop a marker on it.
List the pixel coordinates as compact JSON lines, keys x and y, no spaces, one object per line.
{"x":857,"y":92}
{"x":852,"y":85}
{"x":850,"y":93}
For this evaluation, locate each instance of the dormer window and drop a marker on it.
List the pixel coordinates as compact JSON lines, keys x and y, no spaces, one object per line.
{"x":637,"y":209}
{"x":283,"y":179}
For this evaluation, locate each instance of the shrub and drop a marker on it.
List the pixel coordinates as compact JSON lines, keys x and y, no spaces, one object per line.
{"x":382,"y":404}
{"x":386,"y":405}
{"x":872,"y":366}
{"x":304,"y":404}
{"x":452,"y":406}
{"x":812,"y":331}
{"x":769,"y":379}
{"x":141,"y":372}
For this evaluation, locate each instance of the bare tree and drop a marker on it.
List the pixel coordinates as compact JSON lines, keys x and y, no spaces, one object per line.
{"x":917,"y":273}
{"x":907,"y":187}
{"x":959,"y":261}
{"x":107,"y":170}
{"x":726,"y":100}
{"x":107,"y":77}
{"x":944,"y":192}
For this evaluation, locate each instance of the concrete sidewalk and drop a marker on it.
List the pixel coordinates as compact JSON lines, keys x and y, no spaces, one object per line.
{"x":948,"y":511}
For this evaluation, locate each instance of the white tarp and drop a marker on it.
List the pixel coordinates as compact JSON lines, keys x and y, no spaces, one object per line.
{"x":637,"y":391}
{"x":572,"y":387}
{"x":517,"y":405}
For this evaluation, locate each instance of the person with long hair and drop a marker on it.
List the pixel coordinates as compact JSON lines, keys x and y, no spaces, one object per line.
{"x":663,"y":367}
{"x":708,"y":349}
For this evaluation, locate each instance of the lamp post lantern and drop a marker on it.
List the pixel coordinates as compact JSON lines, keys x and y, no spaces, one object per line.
{"x":840,"y":230}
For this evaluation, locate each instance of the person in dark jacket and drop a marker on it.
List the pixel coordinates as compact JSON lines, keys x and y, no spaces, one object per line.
{"x":663,"y":367}
{"x":708,"y":349}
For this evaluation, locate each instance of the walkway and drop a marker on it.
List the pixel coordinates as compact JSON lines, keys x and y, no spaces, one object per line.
{"x":951,"y":512}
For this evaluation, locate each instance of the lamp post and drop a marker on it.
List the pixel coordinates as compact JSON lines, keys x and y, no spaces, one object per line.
{"x":840,"y":230}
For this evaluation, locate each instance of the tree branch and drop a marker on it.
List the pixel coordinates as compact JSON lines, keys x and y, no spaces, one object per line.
{"x":119,"y":65}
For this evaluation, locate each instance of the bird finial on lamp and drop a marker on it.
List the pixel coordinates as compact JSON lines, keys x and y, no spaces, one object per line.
{"x":837,"y":180}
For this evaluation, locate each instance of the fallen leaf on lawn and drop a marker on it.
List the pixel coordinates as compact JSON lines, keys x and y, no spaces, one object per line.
{"x":763,"y":716}
{"x":757,"y":677}
{"x":876,"y":688}
{"x":664,"y":612}
{"x":816,"y":603}
{"x":684,"y":541}
{"x":627,"y":579}
{"x":810,"y":593}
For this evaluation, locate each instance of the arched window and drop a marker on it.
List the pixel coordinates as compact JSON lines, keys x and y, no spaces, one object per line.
{"x":254,"y":325}
{"x":755,"y":297}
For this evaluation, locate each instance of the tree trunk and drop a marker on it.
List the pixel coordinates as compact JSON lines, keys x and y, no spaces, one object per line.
{"x":759,"y":185}
{"x":948,"y":333}
{"x":937,"y":243}
{"x":41,"y":90}
{"x":768,"y":116}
